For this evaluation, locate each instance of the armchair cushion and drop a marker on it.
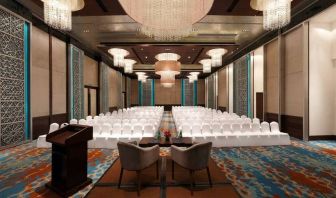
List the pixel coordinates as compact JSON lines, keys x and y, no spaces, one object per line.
{"x":195,"y":157}
{"x":135,"y":158}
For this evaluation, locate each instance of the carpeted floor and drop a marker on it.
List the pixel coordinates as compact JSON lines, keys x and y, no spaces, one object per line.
{"x":25,"y":169}
{"x":303,"y":169}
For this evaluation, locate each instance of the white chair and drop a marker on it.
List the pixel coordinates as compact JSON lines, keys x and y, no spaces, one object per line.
{"x":106,"y":129}
{"x":64,"y":125}
{"x":88,"y":118}
{"x":256,"y":120}
{"x":236,"y":127}
{"x":133,"y":121}
{"x":126,"y":121}
{"x":196,"y":130}
{"x":265,"y":128}
{"x":126,"y":130}
{"x":206,"y":129}
{"x":226,"y":128}
{"x":247,"y":120}
{"x":137,"y":130}
{"x":243,"y":116}
{"x":53,"y":127}
{"x":186,"y":130}
{"x":255,"y":127}
{"x":216,"y":129}
{"x":148,"y":131}
{"x":108,"y":114}
{"x":73,"y":121}
{"x":246,"y":127}
{"x":275,"y":127}
{"x":116,"y":129}
{"x":82,"y":122}
{"x":96,"y":129}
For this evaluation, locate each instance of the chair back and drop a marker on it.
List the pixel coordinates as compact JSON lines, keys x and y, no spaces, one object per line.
{"x":226,"y":127}
{"x":197,"y":156}
{"x":64,"y":125}
{"x":275,"y":127}
{"x":82,"y":122}
{"x":216,"y":128}
{"x":255,"y":127}
{"x":53,"y":127}
{"x":256,"y":120}
{"x":196,"y":129}
{"x":265,"y":127}
{"x":73,"y":121}
{"x":246,"y":127}
{"x":236,"y":127}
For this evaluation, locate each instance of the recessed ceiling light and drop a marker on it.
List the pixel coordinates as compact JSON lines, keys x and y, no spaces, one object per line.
{"x":141,"y":49}
{"x":189,"y":57}
{"x":167,"y":49}
{"x":245,"y":30}
{"x":146,"y":57}
{"x":86,"y":31}
{"x":193,"y":49}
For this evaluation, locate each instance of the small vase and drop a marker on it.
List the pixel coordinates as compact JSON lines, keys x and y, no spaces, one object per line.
{"x":167,"y":139}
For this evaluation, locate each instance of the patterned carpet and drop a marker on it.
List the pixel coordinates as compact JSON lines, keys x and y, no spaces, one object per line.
{"x":25,"y":169}
{"x":299,"y":170}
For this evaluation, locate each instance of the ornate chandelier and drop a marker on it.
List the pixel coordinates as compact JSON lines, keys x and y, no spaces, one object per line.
{"x":128,"y":65}
{"x":118,"y":56}
{"x":277,"y":13}
{"x":141,"y":76}
{"x":166,"y":19}
{"x":58,"y":13}
{"x":193,"y":77}
{"x":216,"y":56}
{"x":167,"y":67}
{"x":206,"y":65}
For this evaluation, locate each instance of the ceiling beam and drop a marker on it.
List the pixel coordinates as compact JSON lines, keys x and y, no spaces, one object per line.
{"x":102,"y":5}
{"x":232,"y":6}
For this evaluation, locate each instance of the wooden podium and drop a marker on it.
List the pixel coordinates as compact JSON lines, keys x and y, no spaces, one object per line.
{"x":69,"y":159}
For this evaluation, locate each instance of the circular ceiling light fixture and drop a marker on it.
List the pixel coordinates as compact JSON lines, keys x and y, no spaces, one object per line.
{"x":167,"y":56}
{"x":193,"y":77}
{"x":167,"y":19}
{"x":118,"y":56}
{"x":167,"y":82}
{"x":206,"y":65}
{"x":142,"y":77}
{"x":58,"y":13}
{"x":216,"y":56}
{"x":129,"y":63}
{"x":277,"y":13}
{"x":167,"y":69}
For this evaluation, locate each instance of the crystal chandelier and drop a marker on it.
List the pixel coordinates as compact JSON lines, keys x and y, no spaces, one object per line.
{"x":193,"y":77}
{"x":118,"y":56}
{"x":128,"y":65}
{"x":166,"y":19}
{"x":167,"y":56}
{"x":206,"y":65}
{"x":167,"y":81}
{"x":216,"y":56}
{"x":167,"y":67}
{"x":277,"y":13}
{"x":141,"y":76}
{"x":58,"y":13}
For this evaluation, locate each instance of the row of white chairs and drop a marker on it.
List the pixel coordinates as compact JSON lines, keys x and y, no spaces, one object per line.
{"x":218,"y":129}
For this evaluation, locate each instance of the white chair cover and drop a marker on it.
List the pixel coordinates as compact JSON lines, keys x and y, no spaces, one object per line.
{"x":265,"y":127}
{"x":53,"y":127}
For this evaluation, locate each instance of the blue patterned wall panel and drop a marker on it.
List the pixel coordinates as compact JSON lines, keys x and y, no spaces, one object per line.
{"x":12,"y":81}
{"x":240,"y":84}
{"x":77,"y":86}
{"x":188,"y":93}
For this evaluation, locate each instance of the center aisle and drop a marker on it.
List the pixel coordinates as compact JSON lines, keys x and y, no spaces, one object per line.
{"x":168,"y":123}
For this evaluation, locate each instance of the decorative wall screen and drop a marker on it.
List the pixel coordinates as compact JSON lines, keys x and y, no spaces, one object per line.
{"x":241,"y":86}
{"x":211,"y":92}
{"x":14,"y":120}
{"x":188,"y":93}
{"x":76,"y":83}
{"x":104,"y":89}
{"x":128,"y":91}
{"x":147,"y":93}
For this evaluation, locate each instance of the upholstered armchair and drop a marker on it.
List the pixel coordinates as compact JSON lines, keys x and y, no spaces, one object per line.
{"x":194,"y":158}
{"x":135,"y":158}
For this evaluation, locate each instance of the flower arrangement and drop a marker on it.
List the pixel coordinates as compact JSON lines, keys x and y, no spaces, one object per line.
{"x":167,"y":134}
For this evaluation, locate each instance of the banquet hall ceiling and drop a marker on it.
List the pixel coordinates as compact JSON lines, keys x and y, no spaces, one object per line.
{"x":102,"y":24}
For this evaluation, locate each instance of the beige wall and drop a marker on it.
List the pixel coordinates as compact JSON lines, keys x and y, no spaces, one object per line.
{"x":222,"y":88}
{"x":114,"y":84}
{"x":39,"y":73}
{"x":58,"y":76}
{"x":90,"y":71}
{"x":258,"y":75}
{"x":201,"y":92}
{"x":171,"y":96}
{"x":292,"y":97}
{"x":272,"y":77}
{"x":134,"y":92}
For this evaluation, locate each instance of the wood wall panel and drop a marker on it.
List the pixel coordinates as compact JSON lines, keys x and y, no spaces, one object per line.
{"x":168,"y":96}
{"x":114,"y":84}
{"x":90,"y":72}
{"x":134,"y":92}
{"x":201,"y":92}
{"x":39,"y":73}
{"x":59,"y":86}
{"x":272,"y":78}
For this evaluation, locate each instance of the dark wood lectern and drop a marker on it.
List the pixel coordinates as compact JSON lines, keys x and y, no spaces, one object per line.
{"x":69,"y":159}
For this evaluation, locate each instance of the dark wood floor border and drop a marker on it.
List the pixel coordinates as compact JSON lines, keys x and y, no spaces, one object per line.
{"x":323,"y":137}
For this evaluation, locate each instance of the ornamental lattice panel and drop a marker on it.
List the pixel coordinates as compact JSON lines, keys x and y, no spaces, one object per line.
{"x":12,"y":102}
{"x":77,"y":85}
{"x":240,"y":74}
{"x":188,"y":93}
